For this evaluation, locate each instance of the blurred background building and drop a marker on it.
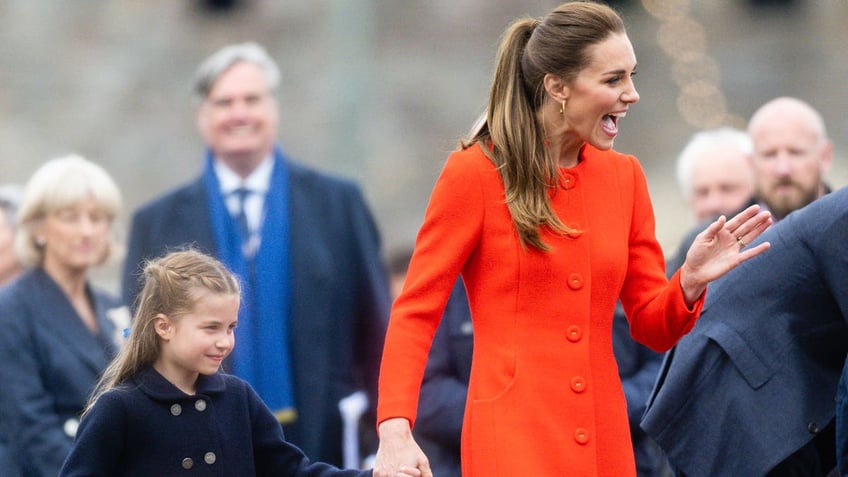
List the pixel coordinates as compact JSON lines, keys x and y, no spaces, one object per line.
{"x":382,"y":90}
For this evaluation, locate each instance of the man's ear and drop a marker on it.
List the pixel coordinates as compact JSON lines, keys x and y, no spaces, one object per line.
{"x":164,"y":326}
{"x":556,"y":87}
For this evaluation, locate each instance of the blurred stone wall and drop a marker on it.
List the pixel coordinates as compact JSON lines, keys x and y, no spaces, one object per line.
{"x":381,"y":90}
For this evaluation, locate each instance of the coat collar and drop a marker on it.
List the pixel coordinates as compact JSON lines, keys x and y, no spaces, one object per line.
{"x":155,"y":386}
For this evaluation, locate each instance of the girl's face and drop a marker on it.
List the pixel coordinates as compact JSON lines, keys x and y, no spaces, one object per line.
{"x":197,"y":342}
{"x":75,"y":238}
{"x":602,"y":92}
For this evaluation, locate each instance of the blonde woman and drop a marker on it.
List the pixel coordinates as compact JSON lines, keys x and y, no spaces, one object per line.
{"x":57,"y":331}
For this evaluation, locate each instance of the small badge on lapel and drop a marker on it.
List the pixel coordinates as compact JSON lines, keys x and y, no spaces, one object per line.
{"x":120,"y":318}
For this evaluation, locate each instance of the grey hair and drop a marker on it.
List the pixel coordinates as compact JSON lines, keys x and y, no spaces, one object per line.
{"x":213,"y":67}
{"x":725,"y":137}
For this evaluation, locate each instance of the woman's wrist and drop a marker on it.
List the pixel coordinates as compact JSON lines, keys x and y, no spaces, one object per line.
{"x":692,"y":288}
{"x":394,"y":427}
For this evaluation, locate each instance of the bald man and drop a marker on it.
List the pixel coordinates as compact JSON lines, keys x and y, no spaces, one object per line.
{"x":792,"y":155}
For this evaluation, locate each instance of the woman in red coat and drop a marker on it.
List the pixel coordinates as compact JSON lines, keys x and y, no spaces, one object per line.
{"x":548,"y":227}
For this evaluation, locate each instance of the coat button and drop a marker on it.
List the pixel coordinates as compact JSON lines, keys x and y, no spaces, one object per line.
{"x":176,"y":409}
{"x":574,"y":333}
{"x":200,"y":405}
{"x":70,"y":427}
{"x":813,"y":428}
{"x":575,"y":281}
{"x":209,"y":458}
{"x":581,"y":435}
{"x":568,"y":181}
{"x":188,"y":463}
{"x":578,"y":384}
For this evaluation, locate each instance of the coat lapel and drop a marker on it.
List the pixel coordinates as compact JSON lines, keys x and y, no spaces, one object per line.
{"x":50,"y":308}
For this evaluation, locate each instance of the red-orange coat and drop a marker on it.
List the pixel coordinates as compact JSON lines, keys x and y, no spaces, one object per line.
{"x":544,"y":397}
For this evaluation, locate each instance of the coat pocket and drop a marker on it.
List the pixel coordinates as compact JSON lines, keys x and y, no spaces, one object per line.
{"x":751,"y":366}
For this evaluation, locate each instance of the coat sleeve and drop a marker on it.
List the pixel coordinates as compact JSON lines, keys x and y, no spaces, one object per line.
{"x":274,"y":456}
{"x":26,"y":406}
{"x":450,"y":233}
{"x":655,"y":305}
{"x":97,"y":448}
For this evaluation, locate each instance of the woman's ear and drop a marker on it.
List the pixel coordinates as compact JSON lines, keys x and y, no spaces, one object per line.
{"x":556,"y":87}
{"x":164,"y":326}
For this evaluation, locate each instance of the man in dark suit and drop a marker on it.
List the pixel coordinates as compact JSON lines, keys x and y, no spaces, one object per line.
{"x":750,"y":390}
{"x":315,"y":292}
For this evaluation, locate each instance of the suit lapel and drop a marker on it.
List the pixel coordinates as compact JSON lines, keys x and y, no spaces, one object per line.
{"x":50,"y":308}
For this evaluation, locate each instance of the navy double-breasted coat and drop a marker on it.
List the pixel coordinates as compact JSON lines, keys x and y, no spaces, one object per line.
{"x":149,"y":427}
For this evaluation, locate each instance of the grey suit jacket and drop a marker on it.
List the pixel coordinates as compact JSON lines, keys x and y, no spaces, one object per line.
{"x":756,"y":378}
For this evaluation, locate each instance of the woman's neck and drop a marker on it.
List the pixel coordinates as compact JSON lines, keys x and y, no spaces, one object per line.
{"x":71,"y":280}
{"x":561,"y":142}
{"x":565,"y":152}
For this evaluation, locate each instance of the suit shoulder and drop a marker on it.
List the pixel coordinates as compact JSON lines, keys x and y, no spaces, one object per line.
{"x":24,"y":288}
{"x":304,"y":175}
{"x":184,"y":193}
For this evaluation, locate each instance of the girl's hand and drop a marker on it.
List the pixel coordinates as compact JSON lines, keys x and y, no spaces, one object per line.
{"x":398,"y":454}
{"x":722,"y":247}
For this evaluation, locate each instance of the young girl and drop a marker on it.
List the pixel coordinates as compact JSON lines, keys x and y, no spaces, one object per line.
{"x":163,"y":408}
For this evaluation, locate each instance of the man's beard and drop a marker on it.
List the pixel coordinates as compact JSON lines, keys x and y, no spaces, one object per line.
{"x":780,"y":205}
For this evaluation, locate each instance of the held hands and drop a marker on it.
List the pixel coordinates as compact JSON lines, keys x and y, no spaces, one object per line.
{"x":720,"y":248}
{"x":398,"y":454}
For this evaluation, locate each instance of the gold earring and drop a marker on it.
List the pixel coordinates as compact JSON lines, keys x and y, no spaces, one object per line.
{"x":562,"y":108}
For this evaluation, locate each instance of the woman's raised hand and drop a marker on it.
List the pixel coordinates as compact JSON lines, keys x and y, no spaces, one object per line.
{"x":720,"y":248}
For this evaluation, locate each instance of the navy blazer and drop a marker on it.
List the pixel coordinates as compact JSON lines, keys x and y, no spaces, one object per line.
{"x":755,"y":380}
{"x":148,"y":427}
{"x":340,"y":296}
{"x":50,"y":364}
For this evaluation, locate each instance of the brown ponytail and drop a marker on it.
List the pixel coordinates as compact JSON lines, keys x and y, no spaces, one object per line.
{"x":511,"y":135}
